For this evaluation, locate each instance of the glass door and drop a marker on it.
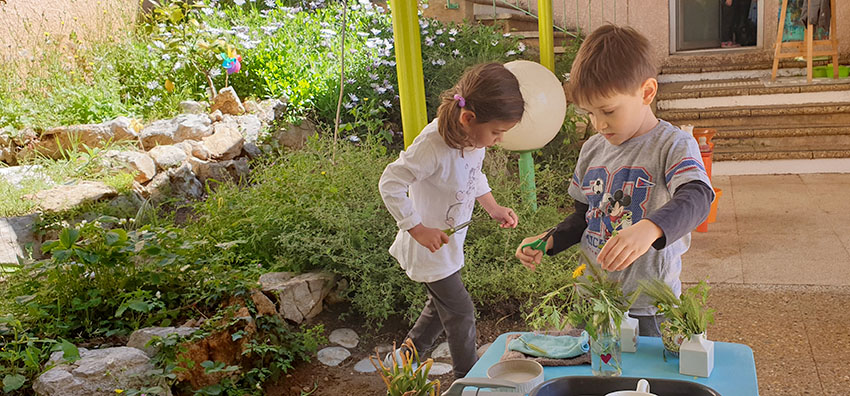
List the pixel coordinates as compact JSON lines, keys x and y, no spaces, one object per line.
{"x":697,"y":24}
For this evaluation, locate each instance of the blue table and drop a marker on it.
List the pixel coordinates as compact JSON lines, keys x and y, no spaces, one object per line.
{"x":734,"y":367}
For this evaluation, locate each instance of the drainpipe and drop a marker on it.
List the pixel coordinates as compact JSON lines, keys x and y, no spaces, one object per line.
{"x":408,"y":56}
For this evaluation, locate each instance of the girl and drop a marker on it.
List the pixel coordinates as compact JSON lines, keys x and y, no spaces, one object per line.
{"x":441,"y":170}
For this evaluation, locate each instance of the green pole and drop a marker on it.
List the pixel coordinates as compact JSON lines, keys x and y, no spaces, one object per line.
{"x":408,"y":56}
{"x":526,"y":178}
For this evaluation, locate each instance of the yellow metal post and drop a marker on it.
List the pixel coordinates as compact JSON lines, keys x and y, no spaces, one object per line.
{"x":544,"y":27}
{"x":408,"y":56}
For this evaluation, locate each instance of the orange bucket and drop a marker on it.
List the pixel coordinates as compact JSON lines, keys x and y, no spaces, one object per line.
{"x":712,"y":212}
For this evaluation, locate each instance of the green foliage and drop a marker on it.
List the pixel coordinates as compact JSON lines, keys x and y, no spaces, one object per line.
{"x":592,"y":301}
{"x":687,"y":314}
{"x":408,"y":377}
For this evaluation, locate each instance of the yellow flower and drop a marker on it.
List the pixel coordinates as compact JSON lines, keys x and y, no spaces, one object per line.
{"x":119,"y":391}
{"x":579,"y":270}
{"x":323,"y":172}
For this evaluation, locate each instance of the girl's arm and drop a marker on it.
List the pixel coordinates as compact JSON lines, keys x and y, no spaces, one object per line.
{"x":506,"y":215}
{"x":416,"y":163}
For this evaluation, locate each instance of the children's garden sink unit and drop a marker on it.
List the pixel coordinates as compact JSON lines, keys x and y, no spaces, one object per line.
{"x":600,"y":386}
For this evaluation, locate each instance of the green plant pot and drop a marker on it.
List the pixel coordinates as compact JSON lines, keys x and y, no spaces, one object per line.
{"x":843,"y":71}
{"x":819,"y":72}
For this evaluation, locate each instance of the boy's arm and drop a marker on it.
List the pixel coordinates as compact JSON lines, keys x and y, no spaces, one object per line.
{"x":569,"y":231}
{"x":688,"y":209}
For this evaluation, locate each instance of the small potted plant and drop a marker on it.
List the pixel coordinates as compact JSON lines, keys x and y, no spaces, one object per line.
{"x":408,"y":377}
{"x":594,"y":302}
{"x":688,"y":317}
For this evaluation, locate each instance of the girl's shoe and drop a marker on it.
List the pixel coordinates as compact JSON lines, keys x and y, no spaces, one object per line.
{"x":388,"y":360}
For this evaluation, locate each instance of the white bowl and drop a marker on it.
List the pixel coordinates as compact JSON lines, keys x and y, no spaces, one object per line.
{"x":525,"y":373}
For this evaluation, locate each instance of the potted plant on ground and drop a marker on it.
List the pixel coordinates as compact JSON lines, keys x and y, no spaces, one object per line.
{"x":591,"y":301}
{"x":408,"y":377}
{"x":688,"y":317}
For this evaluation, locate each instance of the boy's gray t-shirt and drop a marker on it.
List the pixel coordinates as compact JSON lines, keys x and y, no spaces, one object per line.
{"x":623,"y":184}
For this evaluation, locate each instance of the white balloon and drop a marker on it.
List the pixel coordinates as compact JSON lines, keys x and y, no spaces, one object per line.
{"x":545,"y":107}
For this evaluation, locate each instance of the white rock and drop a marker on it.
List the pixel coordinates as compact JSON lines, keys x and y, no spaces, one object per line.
{"x":364,"y":366}
{"x":191,"y":107}
{"x":345,"y":337}
{"x":333,"y":356}
{"x":440,"y":369}
{"x":441,"y":351}
{"x":160,"y":132}
{"x":168,"y":156}
{"x":140,"y":338}
{"x":228,"y":102}
{"x":15,"y":234}
{"x":16,"y":175}
{"x":225,"y":143}
{"x":140,"y":163}
{"x":192,"y":127}
{"x":70,"y":196}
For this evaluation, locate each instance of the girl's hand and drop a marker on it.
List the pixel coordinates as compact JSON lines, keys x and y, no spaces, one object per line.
{"x":629,"y":244}
{"x":431,"y":238}
{"x":505,"y":215}
{"x":729,"y":3}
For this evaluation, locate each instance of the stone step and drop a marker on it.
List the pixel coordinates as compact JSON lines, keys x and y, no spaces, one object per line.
{"x":780,"y":155}
{"x":762,"y":116}
{"x":780,"y":132}
{"x":508,"y":21}
{"x":742,"y":87}
{"x":733,"y":60}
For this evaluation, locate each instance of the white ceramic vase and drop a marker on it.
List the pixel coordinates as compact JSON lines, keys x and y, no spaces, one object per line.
{"x":629,"y":333}
{"x":696,"y":356}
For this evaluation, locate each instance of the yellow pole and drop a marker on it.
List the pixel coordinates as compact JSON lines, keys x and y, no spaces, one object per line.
{"x":544,"y":27}
{"x":408,"y":56}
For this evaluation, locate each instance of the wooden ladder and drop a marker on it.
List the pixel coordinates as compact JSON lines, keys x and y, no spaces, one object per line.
{"x":805,"y":48}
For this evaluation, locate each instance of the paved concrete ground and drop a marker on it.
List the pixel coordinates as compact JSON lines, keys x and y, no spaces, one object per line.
{"x":778,"y":259}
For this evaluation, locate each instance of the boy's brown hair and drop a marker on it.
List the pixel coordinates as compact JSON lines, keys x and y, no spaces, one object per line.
{"x":490,"y":91}
{"x":612,"y":60}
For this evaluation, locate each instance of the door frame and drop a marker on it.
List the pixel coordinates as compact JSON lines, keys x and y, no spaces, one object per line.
{"x":674,"y":26}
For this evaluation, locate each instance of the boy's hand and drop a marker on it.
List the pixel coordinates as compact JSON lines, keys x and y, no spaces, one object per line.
{"x":431,"y":238}
{"x":506,"y":216}
{"x":528,"y":256}
{"x":629,"y":244}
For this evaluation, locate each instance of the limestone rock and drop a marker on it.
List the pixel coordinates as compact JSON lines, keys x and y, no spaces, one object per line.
{"x":178,"y":181}
{"x":55,"y":140}
{"x":344,"y":337}
{"x":15,"y":234}
{"x":225,"y":143}
{"x":140,"y":163}
{"x":167,"y":156}
{"x":301,"y":297}
{"x":333,"y":356}
{"x":140,"y":338}
{"x":192,"y":127}
{"x":264,"y":305}
{"x":439,"y":368}
{"x":216,"y":116}
{"x":271,"y":281}
{"x":17,"y":175}
{"x":70,"y":196}
{"x":98,"y":373}
{"x":272,"y":110}
{"x":364,"y":366}
{"x":441,"y":351}
{"x":160,"y":132}
{"x":228,"y":102}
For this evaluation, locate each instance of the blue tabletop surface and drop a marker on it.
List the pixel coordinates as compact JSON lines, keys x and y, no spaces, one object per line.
{"x":734,"y":367}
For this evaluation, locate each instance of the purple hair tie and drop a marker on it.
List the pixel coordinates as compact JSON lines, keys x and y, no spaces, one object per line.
{"x":461,"y":102}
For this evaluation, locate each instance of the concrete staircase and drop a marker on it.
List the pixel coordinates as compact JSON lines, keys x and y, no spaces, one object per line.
{"x":757,"y":119}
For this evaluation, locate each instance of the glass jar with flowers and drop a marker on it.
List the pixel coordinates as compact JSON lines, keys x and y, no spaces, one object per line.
{"x":591,"y":301}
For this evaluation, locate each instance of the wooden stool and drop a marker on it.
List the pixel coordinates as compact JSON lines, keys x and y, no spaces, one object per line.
{"x":805,"y":48}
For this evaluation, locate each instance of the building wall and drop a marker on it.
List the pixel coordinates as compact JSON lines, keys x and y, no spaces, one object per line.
{"x":28,"y":27}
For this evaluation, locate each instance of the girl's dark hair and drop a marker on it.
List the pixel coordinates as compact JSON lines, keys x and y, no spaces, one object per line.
{"x":490,"y":91}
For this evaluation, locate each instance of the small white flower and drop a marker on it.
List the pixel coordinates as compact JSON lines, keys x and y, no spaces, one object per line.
{"x":510,"y":53}
{"x":375,"y":32}
{"x":455,"y":52}
{"x":150,"y":85}
{"x":521,"y":47}
{"x":215,"y":72}
{"x":207,"y":10}
{"x":373,"y":76}
{"x":239,"y":2}
{"x":424,"y":24}
{"x":353,"y":97}
{"x":271,"y":3}
{"x":328,"y":32}
{"x":363,"y":34}
{"x":438,"y":62}
{"x":506,"y":35}
{"x":387,"y":103}
{"x":350,"y":81}
{"x":242,"y":36}
{"x":380,"y":90}
{"x":429,"y":42}
{"x":154,"y":99}
{"x":348,"y":105}
{"x":453,"y":32}
{"x":495,"y":43}
{"x":442,"y":45}
{"x":452,"y":39}
{"x":439,"y":32}
{"x":166,"y":57}
{"x":158,"y":294}
{"x":159,"y":44}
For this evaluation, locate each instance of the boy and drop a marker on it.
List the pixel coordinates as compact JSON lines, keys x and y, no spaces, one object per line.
{"x":639,"y":176}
